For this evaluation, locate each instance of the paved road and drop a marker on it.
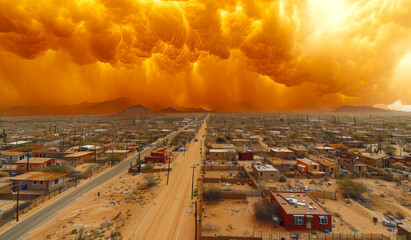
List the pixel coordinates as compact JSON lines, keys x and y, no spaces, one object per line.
{"x":166,"y":218}
{"x":21,"y":228}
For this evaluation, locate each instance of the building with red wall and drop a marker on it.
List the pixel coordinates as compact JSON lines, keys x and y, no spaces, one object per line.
{"x":299,"y":211}
{"x":158,"y":156}
{"x":246,"y":156}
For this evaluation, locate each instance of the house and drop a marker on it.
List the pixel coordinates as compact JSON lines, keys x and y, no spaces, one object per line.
{"x":222,"y":155}
{"x":282,"y":165}
{"x":282,"y":153}
{"x":35,"y":164}
{"x":10,"y":157}
{"x":158,"y":156}
{"x":327,"y":165}
{"x":325,"y":150}
{"x":299,"y":151}
{"x":79,"y":156}
{"x":373,"y":159}
{"x":339,"y":147}
{"x":299,"y":211}
{"x":41,"y":181}
{"x":265,"y":172}
{"x":246,"y":156}
{"x":307,"y":165}
{"x":353,"y":165}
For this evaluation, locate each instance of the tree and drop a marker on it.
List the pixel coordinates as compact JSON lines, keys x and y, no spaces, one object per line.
{"x":151,"y":181}
{"x":59,"y":169}
{"x":264,"y":210}
{"x":4,"y":136}
{"x":350,"y":188}
{"x":398,"y":165}
{"x":390,"y":150}
{"x":148,"y":166}
{"x":212,"y":194}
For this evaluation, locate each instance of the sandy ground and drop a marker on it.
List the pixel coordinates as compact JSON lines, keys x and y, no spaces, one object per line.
{"x":123,"y":209}
{"x":121,"y":200}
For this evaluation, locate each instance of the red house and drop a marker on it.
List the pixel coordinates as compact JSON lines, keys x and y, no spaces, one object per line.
{"x":246,"y":156}
{"x":299,"y":211}
{"x":158,"y":156}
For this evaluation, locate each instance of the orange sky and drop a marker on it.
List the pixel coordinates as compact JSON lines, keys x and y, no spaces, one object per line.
{"x":225,"y":54}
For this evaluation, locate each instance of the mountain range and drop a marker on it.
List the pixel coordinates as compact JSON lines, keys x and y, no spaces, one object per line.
{"x":123,"y":107}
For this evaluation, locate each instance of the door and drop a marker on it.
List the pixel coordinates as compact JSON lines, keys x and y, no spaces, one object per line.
{"x":309,"y":222}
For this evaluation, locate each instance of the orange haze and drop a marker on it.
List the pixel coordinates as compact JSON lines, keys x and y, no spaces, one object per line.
{"x":223,"y":54}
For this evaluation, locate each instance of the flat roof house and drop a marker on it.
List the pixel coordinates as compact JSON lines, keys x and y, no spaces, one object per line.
{"x":41,"y":181}
{"x":299,"y":211}
{"x":10,"y":157}
{"x":307,"y":165}
{"x":281,"y":153}
{"x":265,"y":172}
{"x":35,"y":164}
{"x":79,"y":156}
{"x":222,"y":154}
{"x":327,"y":165}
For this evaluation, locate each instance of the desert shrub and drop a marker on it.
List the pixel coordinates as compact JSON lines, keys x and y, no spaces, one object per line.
{"x":150,"y":181}
{"x":382,"y":195}
{"x":282,"y":178}
{"x":350,"y":188}
{"x":59,"y":169}
{"x":241,"y":174}
{"x":389,"y":177}
{"x":399,"y":215}
{"x":148,"y":166}
{"x":264,"y":210}
{"x":326,"y":179}
{"x":379,"y":171}
{"x":210,"y":227}
{"x":212,"y":194}
{"x":115,"y":235}
{"x":398,"y":165}
{"x":80,"y":234}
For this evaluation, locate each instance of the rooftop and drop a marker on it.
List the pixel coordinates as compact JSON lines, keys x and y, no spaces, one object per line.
{"x":38,"y":176}
{"x":264,"y":167}
{"x":78,"y":154}
{"x":299,"y":203}
{"x":10,"y":153}
{"x":307,"y":161}
{"x":34,"y":160}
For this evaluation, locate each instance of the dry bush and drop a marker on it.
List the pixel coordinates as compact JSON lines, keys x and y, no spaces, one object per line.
{"x":350,"y":188}
{"x":212,"y":194}
{"x":210,"y":227}
{"x":264,"y":210}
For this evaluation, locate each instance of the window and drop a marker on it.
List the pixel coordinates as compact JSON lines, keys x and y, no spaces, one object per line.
{"x":298,"y":220}
{"x":56,"y":181}
{"x":41,"y":182}
{"x":323,"y":220}
{"x":34,"y":182}
{"x":314,"y":167}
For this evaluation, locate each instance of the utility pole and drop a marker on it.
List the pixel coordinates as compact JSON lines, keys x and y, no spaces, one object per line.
{"x":195,"y":220}
{"x":139,"y":161}
{"x":17,"y":208}
{"x":28,"y":161}
{"x":168,"y":169}
{"x":192,"y":182}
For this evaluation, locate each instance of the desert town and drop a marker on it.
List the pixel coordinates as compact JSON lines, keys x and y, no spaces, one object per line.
{"x":206,"y":176}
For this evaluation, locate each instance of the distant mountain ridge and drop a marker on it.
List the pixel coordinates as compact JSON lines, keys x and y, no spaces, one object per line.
{"x":362,"y":109}
{"x":133,"y":112}
{"x":84,"y":108}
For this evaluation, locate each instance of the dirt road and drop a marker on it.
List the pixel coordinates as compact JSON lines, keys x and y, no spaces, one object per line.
{"x":169,"y":216}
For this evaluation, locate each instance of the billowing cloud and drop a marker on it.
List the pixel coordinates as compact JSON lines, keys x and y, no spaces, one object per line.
{"x":264,"y":55}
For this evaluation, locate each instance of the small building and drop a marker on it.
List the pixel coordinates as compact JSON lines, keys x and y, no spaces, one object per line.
{"x":246,"y":156}
{"x":282,"y":165}
{"x":339,"y":147}
{"x":222,"y":154}
{"x":10,"y":157}
{"x":158,"y":156}
{"x":373,"y":159}
{"x":265,"y":172}
{"x":282,"y":153}
{"x":353,"y":165}
{"x":35,"y":164}
{"x":325,"y":150}
{"x":79,"y":156}
{"x":299,"y":151}
{"x":307,"y":166}
{"x":42,"y":181}
{"x":300,"y":211}
{"x":327,"y":165}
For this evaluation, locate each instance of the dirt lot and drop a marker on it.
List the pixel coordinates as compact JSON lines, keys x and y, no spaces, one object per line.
{"x":106,"y":215}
